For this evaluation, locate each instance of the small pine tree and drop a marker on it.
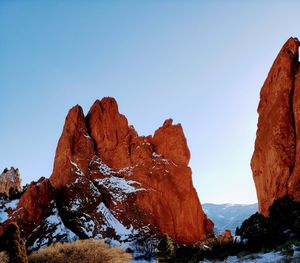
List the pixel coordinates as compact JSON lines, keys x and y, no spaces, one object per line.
{"x":3,"y":196}
{"x":237,"y":231}
{"x":165,"y":249}
{"x":12,"y":243}
{"x":14,"y":193}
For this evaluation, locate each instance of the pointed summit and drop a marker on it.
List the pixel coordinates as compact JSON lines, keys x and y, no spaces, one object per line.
{"x":110,"y":132}
{"x":74,"y":146}
{"x":170,"y":142}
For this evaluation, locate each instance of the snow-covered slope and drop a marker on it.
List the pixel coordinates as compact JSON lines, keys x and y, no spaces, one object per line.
{"x":228,"y":216}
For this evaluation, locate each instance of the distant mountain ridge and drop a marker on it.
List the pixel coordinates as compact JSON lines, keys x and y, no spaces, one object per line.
{"x":228,"y":216}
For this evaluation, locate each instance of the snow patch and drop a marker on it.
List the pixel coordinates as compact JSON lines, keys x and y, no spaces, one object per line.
{"x":113,"y":222}
{"x":86,"y":135}
{"x":273,"y":256}
{"x":4,"y":206}
{"x":103,"y":168}
{"x":88,"y":226}
{"x":119,"y":186}
{"x":106,"y":170}
{"x":156,"y":155}
{"x":77,"y":171}
{"x":3,"y":215}
{"x":58,"y":233}
{"x":12,"y":204}
{"x":75,"y":205}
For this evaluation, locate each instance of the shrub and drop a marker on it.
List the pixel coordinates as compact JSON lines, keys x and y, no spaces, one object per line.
{"x":12,"y":243}
{"x":284,"y":215}
{"x":85,"y":251}
{"x":3,"y":196}
{"x":4,"y":257}
{"x":256,"y":230}
{"x":14,"y":193}
{"x":282,"y":224}
{"x":165,"y":249}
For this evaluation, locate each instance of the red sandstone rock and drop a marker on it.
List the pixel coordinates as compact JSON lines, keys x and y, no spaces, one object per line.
{"x":75,"y":146}
{"x":111,"y":133}
{"x":227,"y":237}
{"x":36,"y":200}
{"x":10,"y":178}
{"x":170,"y":142}
{"x":157,"y":165}
{"x":109,"y":182}
{"x":275,"y":161}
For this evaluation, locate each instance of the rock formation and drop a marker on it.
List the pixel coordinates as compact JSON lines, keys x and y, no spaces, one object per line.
{"x":10,"y":178}
{"x":276,"y":158}
{"x":108,"y":182}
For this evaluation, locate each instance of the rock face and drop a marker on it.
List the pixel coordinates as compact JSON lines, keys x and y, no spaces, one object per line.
{"x":10,"y":178}
{"x":276,"y":158}
{"x":108,"y":182}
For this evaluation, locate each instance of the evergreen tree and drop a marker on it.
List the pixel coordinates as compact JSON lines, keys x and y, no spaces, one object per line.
{"x":165,"y":249}
{"x":12,"y":243}
{"x":14,"y":193}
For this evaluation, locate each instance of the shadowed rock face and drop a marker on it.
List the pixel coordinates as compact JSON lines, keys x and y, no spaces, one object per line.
{"x":276,"y":159}
{"x":110,"y":183}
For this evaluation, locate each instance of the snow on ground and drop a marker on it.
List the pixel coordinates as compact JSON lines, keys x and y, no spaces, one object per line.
{"x":12,"y":204}
{"x":143,"y":261}
{"x":269,"y":257}
{"x":7,"y":205}
{"x":60,"y":229}
{"x":3,"y":215}
{"x":59,"y":233}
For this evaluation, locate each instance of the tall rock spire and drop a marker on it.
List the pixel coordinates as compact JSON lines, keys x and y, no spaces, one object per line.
{"x":74,"y":150}
{"x":275,"y":161}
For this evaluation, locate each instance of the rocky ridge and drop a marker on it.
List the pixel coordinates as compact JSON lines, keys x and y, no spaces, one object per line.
{"x":108,"y":182}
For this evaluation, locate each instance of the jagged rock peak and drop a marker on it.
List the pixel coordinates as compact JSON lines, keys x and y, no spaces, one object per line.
{"x":10,"y":178}
{"x":106,"y":104}
{"x":36,"y":199}
{"x":275,"y":161}
{"x":110,"y":183}
{"x":111,"y":133}
{"x":169,"y":141}
{"x":102,"y":150}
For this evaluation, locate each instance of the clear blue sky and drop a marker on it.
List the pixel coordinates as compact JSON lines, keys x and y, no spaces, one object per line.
{"x":201,"y":63}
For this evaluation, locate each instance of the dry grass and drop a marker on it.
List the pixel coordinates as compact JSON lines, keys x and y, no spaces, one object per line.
{"x":4,"y":257}
{"x":85,"y":251}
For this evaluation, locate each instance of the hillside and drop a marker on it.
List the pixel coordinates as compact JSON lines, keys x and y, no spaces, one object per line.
{"x":228,"y":216}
